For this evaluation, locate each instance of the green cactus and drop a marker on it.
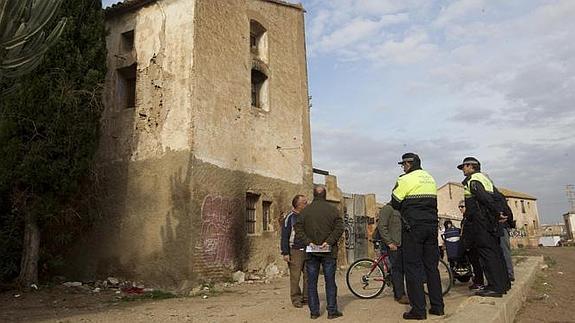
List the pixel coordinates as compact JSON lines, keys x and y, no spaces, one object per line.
{"x":23,"y":38}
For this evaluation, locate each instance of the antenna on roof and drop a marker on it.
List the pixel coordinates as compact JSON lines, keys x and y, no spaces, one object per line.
{"x":570,"y":190}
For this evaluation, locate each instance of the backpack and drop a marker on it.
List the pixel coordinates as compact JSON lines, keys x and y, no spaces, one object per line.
{"x":501,"y":202}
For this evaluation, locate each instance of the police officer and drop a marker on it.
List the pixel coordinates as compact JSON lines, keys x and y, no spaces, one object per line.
{"x":415,"y":196}
{"x":484,"y":214}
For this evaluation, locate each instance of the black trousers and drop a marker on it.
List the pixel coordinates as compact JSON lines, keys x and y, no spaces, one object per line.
{"x":492,"y":261}
{"x":473,"y":256}
{"x":420,"y":258}
{"x":397,"y":274}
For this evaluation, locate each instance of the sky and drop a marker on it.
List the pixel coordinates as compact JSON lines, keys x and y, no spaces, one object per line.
{"x":445,"y":79}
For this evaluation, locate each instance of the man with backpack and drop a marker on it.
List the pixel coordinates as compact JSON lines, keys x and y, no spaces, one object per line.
{"x":485,"y":215}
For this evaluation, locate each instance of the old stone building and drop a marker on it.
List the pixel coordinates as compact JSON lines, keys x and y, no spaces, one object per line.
{"x":524,"y":208}
{"x":205,"y":137}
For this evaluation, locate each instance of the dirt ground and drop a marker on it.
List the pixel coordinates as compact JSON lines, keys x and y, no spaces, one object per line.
{"x":257,"y":302}
{"x":551,"y":299}
{"x":552,"y":296}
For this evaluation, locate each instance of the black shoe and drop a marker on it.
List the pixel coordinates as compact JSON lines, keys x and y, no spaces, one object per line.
{"x":413,"y":316}
{"x":334,"y":315}
{"x":297,"y":305}
{"x":488,"y":293}
{"x":437,"y":312}
{"x":313,"y":316}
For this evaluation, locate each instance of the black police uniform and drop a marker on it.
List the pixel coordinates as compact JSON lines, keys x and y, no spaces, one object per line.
{"x":483,"y":212}
{"x":415,"y":196}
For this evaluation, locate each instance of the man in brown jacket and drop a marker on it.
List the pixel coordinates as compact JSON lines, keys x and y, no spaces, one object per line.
{"x":320,"y":226}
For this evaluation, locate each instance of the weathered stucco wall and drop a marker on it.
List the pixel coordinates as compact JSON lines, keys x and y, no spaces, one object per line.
{"x":228,"y":131}
{"x":238,"y":148}
{"x":146,"y":229}
{"x":163,"y":46}
{"x":223,"y":242}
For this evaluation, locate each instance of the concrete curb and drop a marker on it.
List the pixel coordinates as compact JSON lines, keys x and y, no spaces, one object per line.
{"x":500,"y":309}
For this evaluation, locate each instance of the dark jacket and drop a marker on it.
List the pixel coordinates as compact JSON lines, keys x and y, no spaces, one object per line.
{"x":288,"y":240}
{"x":481,"y":209}
{"x":389,"y":225}
{"x":320,"y":222}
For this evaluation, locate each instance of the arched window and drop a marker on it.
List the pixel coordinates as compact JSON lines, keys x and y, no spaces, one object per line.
{"x":259,"y":90}
{"x":260,"y":74}
{"x":258,"y":40}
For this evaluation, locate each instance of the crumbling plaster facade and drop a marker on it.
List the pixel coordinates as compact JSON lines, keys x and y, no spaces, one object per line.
{"x":175,"y":168}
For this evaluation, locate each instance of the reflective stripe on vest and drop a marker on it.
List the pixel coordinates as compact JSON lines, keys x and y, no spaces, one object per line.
{"x":417,"y":184}
{"x":487,"y":184}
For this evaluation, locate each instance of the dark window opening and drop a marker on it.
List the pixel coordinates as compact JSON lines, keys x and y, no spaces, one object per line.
{"x":266,"y":206}
{"x":257,"y":32}
{"x":522,"y":206}
{"x":254,"y":43}
{"x":251,"y":204}
{"x":258,"y":89}
{"x":127,"y":86}
{"x":128,"y":41}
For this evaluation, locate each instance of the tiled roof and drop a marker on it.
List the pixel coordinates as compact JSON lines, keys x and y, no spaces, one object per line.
{"x":126,"y":6}
{"x":519,"y":195}
{"x":129,"y":5}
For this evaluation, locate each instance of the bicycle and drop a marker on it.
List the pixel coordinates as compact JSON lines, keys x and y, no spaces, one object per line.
{"x":367,"y":278}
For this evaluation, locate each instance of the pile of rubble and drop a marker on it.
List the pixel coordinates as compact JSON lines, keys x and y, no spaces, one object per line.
{"x":204,"y":290}
{"x":271,"y":271}
{"x":110,"y":284}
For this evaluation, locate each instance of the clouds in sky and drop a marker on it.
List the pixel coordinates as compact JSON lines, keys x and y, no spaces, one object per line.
{"x":472,"y":77}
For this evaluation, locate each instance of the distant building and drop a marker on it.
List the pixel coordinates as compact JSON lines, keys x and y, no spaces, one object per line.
{"x":524,"y":207}
{"x":553,"y":230}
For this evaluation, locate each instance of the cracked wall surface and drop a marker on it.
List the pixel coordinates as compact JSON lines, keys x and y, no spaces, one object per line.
{"x":228,"y":131}
{"x":163,"y":51}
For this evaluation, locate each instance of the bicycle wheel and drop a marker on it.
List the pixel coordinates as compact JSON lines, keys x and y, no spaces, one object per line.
{"x":445,"y":275}
{"x":365,"y":278}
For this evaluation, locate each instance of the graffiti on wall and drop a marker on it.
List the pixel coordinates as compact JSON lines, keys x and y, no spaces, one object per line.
{"x":215,"y":245}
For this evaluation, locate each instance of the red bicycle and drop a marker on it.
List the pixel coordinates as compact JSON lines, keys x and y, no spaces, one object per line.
{"x":367,"y":278}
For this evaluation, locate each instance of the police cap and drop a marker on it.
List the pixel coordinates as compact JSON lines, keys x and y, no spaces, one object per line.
{"x":470,"y":161}
{"x":409,"y":157}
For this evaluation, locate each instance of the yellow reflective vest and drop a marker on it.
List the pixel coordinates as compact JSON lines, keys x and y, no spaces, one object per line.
{"x":415,"y":196}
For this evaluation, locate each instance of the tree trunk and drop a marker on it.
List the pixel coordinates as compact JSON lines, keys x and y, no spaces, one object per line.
{"x":30,"y":252}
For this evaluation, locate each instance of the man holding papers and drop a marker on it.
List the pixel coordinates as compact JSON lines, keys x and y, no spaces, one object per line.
{"x":320,"y":226}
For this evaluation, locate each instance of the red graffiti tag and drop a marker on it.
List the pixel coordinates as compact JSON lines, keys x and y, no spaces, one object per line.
{"x":215,"y":245}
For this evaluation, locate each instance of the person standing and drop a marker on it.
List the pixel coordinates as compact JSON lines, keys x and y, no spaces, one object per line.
{"x":470,"y":250}
{"x":293,"y":252}
{"x":319,"y":227}
{"x":505,"y":225}
{"x":415,"y":197}
{"x":389,"y":228}
{"x":484,"y":214}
